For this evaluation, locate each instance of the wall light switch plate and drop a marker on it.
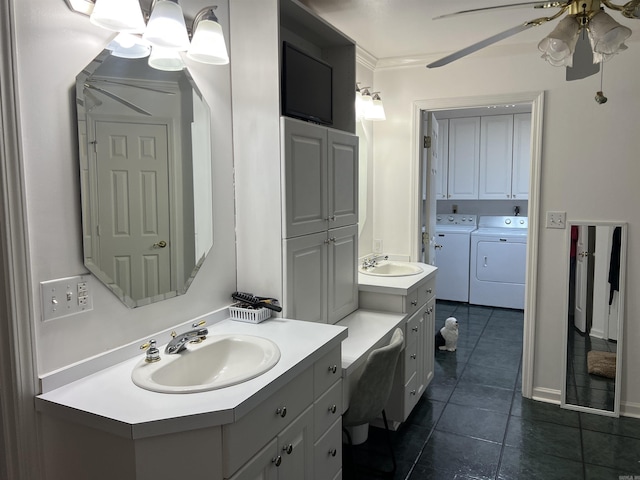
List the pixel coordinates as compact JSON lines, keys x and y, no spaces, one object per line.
{"x":65,"y":296}
{"x":556,"y":220}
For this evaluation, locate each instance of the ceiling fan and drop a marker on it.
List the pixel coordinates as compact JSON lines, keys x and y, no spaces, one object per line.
{"x":584,"y":38}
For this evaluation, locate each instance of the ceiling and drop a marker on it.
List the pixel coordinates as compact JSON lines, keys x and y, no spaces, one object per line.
{"x":404,"y":29}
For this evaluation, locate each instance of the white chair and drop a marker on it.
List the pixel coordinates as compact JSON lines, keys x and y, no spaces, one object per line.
{"x":372,"y":391}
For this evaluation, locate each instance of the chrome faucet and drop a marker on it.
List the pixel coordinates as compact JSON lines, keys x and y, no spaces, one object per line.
{"x":179,"y":342}
{"x":372,"y":261}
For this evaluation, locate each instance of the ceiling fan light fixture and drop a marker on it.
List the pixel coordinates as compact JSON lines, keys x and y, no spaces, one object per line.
{"x":606,"y":35}
{"x":558,"y":47}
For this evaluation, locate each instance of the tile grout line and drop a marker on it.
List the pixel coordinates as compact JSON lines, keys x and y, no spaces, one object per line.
{"x":424,"y":445}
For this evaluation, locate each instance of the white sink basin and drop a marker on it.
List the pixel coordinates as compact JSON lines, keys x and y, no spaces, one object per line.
{"x":219,"y":361}
{"x":392,"y":269}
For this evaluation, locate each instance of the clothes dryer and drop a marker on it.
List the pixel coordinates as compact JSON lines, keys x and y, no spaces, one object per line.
{"x":498,"y":262}
{"x":452,"y":255}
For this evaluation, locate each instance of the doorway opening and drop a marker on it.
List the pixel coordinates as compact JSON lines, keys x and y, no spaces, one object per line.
{"x":424,"y":176}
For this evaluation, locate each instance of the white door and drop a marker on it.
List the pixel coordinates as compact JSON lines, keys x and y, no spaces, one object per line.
{"x":429,"y":176}
{"x":496,"y":155}
{"x":342,"y":273}
{"x":582,"y":278}
{"x":133,"y":206}
{"x":342,"y":171}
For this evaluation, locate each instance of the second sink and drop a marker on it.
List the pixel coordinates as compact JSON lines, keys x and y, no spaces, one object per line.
{"x":392,"y":269}
{"x":220,"y":361}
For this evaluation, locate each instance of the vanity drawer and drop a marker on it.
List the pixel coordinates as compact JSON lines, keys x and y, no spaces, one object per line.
{"x":242,"y":439}
{"x":327,"y":409}
{"x":410,"y":360}
{"x":411,"y":302}
{"x":414,"y":329}
{"x":328,"y":452}
{"x":327,"y":371}
{"x":426,"y":290}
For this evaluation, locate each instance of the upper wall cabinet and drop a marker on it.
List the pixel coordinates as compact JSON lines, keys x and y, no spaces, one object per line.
{"x":464,"y":158}
{"x":485,"y":158}
{"x":320,"y":178}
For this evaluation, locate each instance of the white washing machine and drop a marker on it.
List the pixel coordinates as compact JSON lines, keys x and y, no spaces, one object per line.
{"x":498,"y":262}
{"x":453,"y":241}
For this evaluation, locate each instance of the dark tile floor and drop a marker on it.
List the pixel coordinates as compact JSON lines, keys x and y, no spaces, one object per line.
{"x":592,"y":391}
{"x":472,"y":423}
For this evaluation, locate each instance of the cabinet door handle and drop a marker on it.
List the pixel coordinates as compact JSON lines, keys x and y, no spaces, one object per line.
{"x":333,"y":368}
{"x":414,"y":303}
{"x":276,"y":460}
{"x":415,"y":329}
{"x":333,"y":452}
{"x":413,"y":392}
{"x":333,"y":408}
{"x":429,"y":290}
{"x":413,"y":356}
{"x":288,"y":448}
{"x":282,"y":411}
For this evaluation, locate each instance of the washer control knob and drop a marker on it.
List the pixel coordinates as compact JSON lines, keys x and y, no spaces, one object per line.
{"x":508,"y":221}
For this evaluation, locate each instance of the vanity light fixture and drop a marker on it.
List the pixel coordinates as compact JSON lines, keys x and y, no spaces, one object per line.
{"x":207,"y":44}
{"x":166,"y":27}
{"x":126,"y":45}
{"x":166,"y":30}
{"x":118,"y":15}
{"x":376,"y":111}
{"x":369,"y":105}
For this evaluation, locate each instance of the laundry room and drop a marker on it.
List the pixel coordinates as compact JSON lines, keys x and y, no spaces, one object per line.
{"x":483,"y":158}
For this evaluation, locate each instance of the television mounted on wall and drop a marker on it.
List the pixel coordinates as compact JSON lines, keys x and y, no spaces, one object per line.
{"x":307,"y":86}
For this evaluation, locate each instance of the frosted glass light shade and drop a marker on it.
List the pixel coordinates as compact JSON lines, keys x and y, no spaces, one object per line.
{"x":166,"y":27}
{"x":367,"y":103}
{"x":376,"y":111}
{"x":607,"y":36}
{"x":558,"y":47}
{"x":167,"y":59}
{"x":359,"y":104}
{"x":118,"y":15}
{"x":208,"y":45}
{"x":126,"y":45}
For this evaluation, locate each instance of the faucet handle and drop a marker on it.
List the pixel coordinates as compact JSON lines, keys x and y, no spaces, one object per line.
{"x":153,"y":354}
{"x":199,"y":324}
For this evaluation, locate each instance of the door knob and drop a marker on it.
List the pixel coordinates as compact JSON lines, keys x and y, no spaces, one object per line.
{"x":160,"y":244}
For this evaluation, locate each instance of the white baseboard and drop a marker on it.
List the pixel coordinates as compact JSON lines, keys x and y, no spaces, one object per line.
{"x":548,"y":395}
{"x":629,"y":409}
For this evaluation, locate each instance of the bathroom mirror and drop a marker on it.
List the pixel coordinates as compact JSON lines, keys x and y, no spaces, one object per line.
{"x":594,"y":322}
{"x":145,"y":162}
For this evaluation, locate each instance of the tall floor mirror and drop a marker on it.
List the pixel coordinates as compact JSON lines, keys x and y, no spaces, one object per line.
{"x":594,"y":322}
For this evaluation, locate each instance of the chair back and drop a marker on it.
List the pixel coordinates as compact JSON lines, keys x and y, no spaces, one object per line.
{"x":374,"y":386}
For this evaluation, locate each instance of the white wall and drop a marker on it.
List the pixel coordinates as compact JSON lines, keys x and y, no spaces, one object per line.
{"x":590,"y":169}
{"x":54,"y":44}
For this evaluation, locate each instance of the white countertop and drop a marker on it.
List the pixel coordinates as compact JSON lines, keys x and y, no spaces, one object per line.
{"x":368,"y":330}
{"x":394,"y":285}
{"x":110,"y":401}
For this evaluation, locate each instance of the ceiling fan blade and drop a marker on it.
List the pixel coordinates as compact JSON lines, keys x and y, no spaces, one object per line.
{"x":482,"y":44}
{"x":583,"y":65}
{"x":500,"y":7}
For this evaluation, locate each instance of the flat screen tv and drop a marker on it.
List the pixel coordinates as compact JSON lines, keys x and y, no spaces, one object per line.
{"x":307,"y":85}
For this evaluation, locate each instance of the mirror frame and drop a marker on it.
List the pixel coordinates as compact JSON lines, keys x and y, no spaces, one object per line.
{"x":620,"y":321}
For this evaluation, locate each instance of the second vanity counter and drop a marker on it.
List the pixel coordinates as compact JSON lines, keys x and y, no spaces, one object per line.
{"x":109,"y":401}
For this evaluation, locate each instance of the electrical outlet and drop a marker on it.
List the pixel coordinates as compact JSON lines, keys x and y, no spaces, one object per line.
{"x":556,"y":220}
{"x":377,"y":245}
{"x":65,"y":296}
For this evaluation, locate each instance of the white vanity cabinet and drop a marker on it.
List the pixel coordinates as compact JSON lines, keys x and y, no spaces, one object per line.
{"x":285,"y":424}
{"x":321,"y":277}
{"x":415,"y":367}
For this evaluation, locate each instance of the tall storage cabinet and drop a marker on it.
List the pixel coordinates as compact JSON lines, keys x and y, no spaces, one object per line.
{"x":320,"y":205}
{"x":464,"y":158}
